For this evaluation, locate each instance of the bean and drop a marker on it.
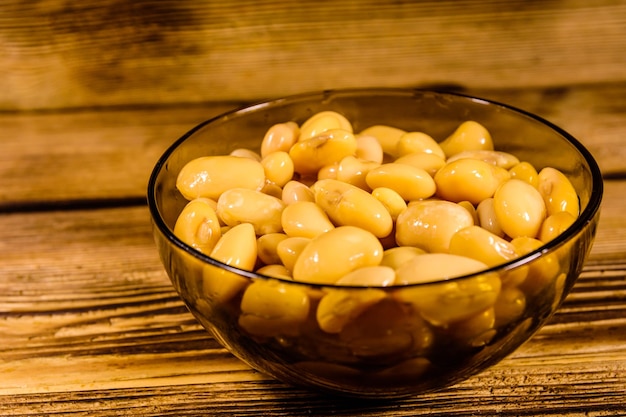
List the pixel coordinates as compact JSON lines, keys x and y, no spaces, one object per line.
{"x":430,"y":225}
{"x":353,"y":171}
{"x":475,"y":330}
{"x":246,"y":153}
{"x":509,"y":306}
{"x":410,"y":182}
{"x":555,"y":224}
{"x":328,"y":172}
{"x":278,"y":167}
{"x":429,"y":162}
{"x":558,"y":192}
{"x":519,"y":208}
{"x":469,"y":179}
{"x":431,"y":267}
{"x":295,"y":191}
{"x":267,"y":247}
{"x":198,"y":225}
{"x":289,"y":250}
{"x":498,"y":158}
{"x":272,"y":189}
{"x":526,"y":172}
{"x":396,"y":256}
{"x":348,"y":205}
{"x":340,"y":306}
{"x":412,"y":142}
{"x":333,"y":254}
{"x":468,"y":136}
{"x":210,"y":176}
{"x":387,"y":136}
{"x":541,"y":271}
{"x":280,"y":137}
{"x":331,"y":146}
{"x":241,"y":205}
{"x":322,"y":122}
{"x":393,"y":202}
{"x":487,"y":217}
{"x":305,"y":219}
{"x":271,"y":308}
{"x":470,"y":209}
{"x":369,"y":276}
{"x":276,"y":271}
{"x":368,"y":148}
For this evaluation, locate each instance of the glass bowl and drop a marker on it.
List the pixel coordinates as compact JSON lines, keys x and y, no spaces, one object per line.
{"x":393,"y":341}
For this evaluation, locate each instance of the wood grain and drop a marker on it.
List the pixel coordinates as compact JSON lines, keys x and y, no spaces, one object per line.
{"x":108,"y":154}
{"x":64,"y":54}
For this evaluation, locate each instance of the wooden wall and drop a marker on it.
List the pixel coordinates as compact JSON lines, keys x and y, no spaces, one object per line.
{"x":60,"y":54}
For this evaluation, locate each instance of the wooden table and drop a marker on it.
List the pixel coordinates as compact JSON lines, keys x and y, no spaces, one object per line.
{"x":91,"y":94}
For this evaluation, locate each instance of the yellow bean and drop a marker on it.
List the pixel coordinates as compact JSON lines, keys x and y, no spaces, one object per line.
{"x":468,"y":179}
{"x":278,"y":167}
{"x":476,"y":330}
{"x":470,"y":209}
{"x":340,"y":306}
{"x":482,"y":245}
{"x":387,"y":136}
{"x":329,"y":147}
{"x":305,"y":219}
{"x":246,"y":153}
{"x":432,"y":267}
{"x":267,"y":245}
{"x":368,"y":148}
{"x":272,"y":189}
{"x":558,"y":192}
{"x":541,"y":271}
{"x":369,"y":276}
{"x":295,"y":191}
{"x":353,"y":171}
{"x":510,"y":306}
{"x":519,"y":208}
{"x":348,"y":205}
{"x":322,"y":122}
{"x":451,"y":301}
{"x":271,"y":308}
{"x":430,"y":224}
{"x":526,"y":172}
{"x":333,"y":254}
{"x":210,"y":176}
{"x":241,"y":205}
{"x":280,"y":137}
{"x":412,"y":142}
{"x":429,"y":162}
{"x":498,"y":158}
{"x":410,"y":182}
{"x":555,"y":224}
{"x":289,"y":250}
{"x":487,"y":217}
{"x":396,"y":256}
{"x":198,"y":226}
{"x":275,"y":270}
{"x":469,"y":136}
{"x":328,"y":172}
{"x":393,"y":202}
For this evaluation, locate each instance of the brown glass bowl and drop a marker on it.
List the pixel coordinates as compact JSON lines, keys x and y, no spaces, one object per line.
{"x":399,"y":345}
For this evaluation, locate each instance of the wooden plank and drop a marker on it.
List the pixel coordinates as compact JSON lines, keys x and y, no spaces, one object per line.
{"x":90,"y":324}
{"x":109,"y":154}
{"x":60,"y":54}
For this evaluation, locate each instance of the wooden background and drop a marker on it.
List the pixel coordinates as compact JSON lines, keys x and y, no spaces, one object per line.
{"x":92,"y":92}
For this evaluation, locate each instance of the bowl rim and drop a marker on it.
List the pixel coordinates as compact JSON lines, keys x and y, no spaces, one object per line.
{"x":581,"y":222}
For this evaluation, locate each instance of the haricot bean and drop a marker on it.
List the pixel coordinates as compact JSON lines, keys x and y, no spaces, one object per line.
{"x":320,"y":203}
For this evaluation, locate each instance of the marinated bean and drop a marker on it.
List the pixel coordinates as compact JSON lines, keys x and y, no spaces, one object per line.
{"x":387,"y":136}
{"x":471,"y":210}
{"x":498,"y":158}
{"x":369,"y":276}
{"x":295,"y":191}
{"x":289,"y":250}
{"x":323,"y":122}
{"x":555,"y":224}
{"x":431,"y":267}
{"x":333,"y":254}
{"x":510,"y":305}
{"x":469,"y":179}
{"x":270,"y":308}
{"x":241,"y":205}
{"x":198,"y":226}
{"x":396,"y":256}
{"x":267,"y":247}
{"x":348,"y":205}
{"x":469,"y":136}
{"x":410,"y":182}
{"x":557,"y":191}
{"x":309,"y":155}
{"x":487,"y":217}
{"x":430,"y":225}
{"x":272,"y":189}
{"x":278,"y":167}
{"x":328,"y":172}
{"x":476,"y":330}
{"x":353,"y":171}
{"x":210,"y":176}
{"x":340,"y":306}
{"x":393,"y":202}
{"x":280,"y":137}
{"x":526,"y":172}
{"x":541,"y":271}
{"x":275,"y":270}
{"x":368,"y":148}
{"x":305,"y":219}
{"x":519,"y":208}
{"x":482,"y":245}
{"x":246,"y":153}
{"x":429,"y":162}
{"x":412,"y":142}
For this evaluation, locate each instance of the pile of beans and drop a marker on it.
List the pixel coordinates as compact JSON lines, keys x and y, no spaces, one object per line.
{"x":322,"y":204}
